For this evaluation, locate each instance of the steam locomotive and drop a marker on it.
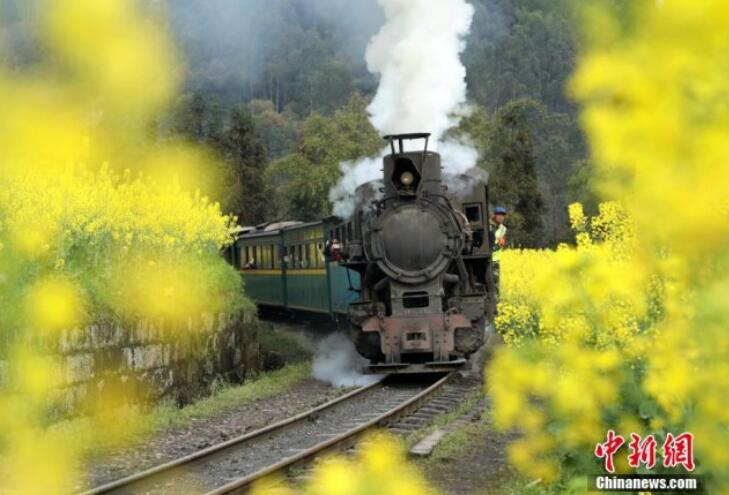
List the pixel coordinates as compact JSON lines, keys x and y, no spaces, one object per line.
{"x":413,"y":276}
{"x":423,"y":256}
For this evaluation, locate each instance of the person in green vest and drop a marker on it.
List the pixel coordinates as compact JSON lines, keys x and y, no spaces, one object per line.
{"x":497,"y":236}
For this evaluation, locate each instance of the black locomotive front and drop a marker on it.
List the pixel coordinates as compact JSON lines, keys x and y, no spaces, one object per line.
{"x":427,"y":291}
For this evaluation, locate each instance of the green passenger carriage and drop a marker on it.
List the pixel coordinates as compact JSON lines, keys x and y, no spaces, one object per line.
{"x":284,"y":267}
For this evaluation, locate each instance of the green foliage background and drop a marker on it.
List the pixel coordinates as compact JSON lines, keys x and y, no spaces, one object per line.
{"x":279,"y":89}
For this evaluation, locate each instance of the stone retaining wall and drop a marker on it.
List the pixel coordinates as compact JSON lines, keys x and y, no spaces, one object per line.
{"x":110,"y":363}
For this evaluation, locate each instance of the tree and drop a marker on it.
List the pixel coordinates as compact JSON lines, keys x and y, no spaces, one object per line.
{"x":582,"y":186}
{"x":298,"y":54}
{"x":278,"y":129}
{"x":300,"y":182}
{"x":299,"y":189}
{"x":520,"y":48}
{"x":234,"y":138}
{"x":245,"y":154}
{"x":513,"y":181}
{"x":346,"y":135}
{"x":526,"y":49}
{"x":559,"y":151}
{"x":196,"y":116}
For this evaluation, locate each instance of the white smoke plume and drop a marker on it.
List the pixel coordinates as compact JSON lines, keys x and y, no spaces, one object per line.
{"x":354,"y":173}
{"x":416,"y":53}
{"x":337,"y":362}
{"x":422,"y":85}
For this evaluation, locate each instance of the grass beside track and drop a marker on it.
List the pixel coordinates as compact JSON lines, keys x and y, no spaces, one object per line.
{"x":461,"y":454}
{"x":458,"y":441}
{"x":459,"y":447}
{"x":229,"y":397}
{"x":165,"y":417}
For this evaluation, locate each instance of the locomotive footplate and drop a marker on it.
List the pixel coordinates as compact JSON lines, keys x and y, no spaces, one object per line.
{"x":401,"y":336}
{"x":429,"y":367}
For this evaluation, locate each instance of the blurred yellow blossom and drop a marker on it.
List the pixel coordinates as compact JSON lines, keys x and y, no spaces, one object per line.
{"x":630,"y":325}
{"x":54,"y":303}
{"x":114,"y":53}
{"x":379,"y":467}
{"x":87,"y":197}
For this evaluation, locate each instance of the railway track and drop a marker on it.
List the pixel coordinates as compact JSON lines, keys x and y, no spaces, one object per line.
{"x":232,"y":466}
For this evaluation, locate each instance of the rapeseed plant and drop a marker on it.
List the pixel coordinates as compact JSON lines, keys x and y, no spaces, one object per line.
{"x":378,"y":468}
{"x":630,"y":324}
{"x":97,"y":219}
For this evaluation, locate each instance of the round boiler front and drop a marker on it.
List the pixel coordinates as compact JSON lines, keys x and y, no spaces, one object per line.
{"x":412,"y":238}
{"x":414,"y":241}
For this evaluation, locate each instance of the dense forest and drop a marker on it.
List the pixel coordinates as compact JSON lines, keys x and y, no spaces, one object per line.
{"x":279,"y":89}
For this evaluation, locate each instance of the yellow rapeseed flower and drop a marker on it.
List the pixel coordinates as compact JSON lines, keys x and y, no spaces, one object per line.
{"x":631,"y":322}
{"x":54,"y":303}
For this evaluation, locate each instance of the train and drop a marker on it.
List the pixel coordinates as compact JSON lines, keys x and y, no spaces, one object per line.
{"x":410,"y":273}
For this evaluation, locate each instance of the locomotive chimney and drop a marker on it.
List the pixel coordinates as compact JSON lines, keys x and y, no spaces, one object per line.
{"x":408,"y":174}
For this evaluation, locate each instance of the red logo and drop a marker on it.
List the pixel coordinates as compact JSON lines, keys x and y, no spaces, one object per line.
{"x":608,"y":449}
{"x":677,"y":450}
{"x":642,"y":452}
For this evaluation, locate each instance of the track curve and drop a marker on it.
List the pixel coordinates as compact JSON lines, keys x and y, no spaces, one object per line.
{"x":231,"y":466}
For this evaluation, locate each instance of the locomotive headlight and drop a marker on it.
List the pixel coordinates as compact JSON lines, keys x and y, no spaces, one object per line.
{"x":407,"y":178}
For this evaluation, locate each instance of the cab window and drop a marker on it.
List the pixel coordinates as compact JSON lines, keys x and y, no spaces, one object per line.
{"x":473,"y":212}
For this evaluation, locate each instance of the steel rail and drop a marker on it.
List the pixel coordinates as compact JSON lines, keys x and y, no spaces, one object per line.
{"x":243,"y":485}
{"x":149,"y":474}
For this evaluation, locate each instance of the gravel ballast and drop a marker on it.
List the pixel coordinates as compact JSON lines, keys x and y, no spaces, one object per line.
{"x":241,"y":460}
{"x":204,"y":432}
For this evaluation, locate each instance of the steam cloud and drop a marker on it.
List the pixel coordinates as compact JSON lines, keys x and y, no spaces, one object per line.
{"x":336,"y":360}
{"x":422,"y":86}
